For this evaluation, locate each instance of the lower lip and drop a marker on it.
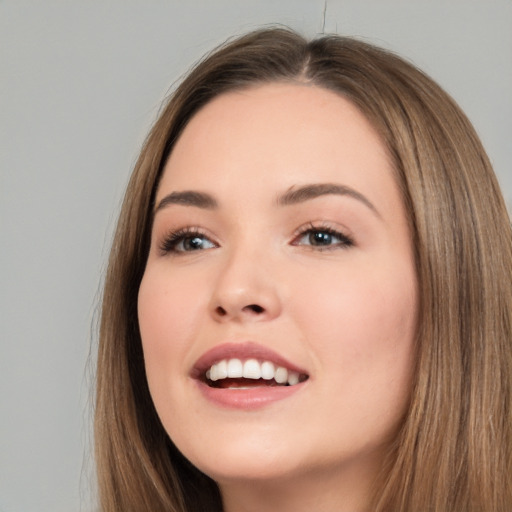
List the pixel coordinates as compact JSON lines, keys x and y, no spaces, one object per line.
{"x":247,"y":399}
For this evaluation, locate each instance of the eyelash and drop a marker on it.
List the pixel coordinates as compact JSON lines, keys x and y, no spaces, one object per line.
{"x":345,"y":241}
{"x":173,"y":239}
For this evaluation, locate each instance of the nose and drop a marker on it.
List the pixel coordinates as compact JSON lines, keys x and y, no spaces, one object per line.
{"x":245,"y":291}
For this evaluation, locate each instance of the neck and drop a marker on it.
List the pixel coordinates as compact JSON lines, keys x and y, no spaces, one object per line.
{"x":320,"y":491}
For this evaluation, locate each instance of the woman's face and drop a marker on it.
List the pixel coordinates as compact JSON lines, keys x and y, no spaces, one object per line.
{"x":278,"y":305}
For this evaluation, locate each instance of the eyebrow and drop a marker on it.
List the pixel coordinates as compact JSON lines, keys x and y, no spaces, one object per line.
{"x":290,"y":197}
{"x":188,"y":198}
{"x":308,"y":192}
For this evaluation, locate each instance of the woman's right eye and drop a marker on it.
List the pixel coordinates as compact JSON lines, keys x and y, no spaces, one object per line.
{"x":183,"y":241}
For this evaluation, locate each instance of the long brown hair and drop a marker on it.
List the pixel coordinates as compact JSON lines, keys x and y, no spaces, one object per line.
{"x":454,"y":449}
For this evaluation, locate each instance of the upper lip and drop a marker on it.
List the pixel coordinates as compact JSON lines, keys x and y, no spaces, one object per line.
{"x":245,"y":350}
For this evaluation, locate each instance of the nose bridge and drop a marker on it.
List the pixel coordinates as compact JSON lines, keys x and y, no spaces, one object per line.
{"x":246,"y":288}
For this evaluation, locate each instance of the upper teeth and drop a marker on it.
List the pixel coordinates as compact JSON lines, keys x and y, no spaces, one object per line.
{"x":251,"y":369}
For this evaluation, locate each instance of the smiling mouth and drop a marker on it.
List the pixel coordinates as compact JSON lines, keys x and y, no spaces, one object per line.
{"x":236,"y":373}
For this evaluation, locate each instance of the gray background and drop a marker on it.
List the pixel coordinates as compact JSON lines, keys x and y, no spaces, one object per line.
{"x":81,"y":82}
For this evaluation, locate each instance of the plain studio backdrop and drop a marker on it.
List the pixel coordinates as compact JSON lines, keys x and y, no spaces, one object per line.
{"x":80,"y":84}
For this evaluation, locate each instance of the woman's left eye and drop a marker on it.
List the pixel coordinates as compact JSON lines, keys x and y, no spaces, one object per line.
{"x":323,"y":238}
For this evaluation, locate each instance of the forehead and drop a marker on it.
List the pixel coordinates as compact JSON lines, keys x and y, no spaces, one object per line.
{"x":278,"y":135}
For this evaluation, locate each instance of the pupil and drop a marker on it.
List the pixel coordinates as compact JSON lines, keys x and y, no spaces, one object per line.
{"x":194,"y":243}
{"x":320,"y":238}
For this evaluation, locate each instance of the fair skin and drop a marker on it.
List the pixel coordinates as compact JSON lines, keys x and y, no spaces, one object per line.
{"x":293,"y":249}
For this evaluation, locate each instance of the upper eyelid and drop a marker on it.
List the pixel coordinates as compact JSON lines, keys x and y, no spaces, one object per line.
{"x":323,"y":225}
{"x":187,"y":231}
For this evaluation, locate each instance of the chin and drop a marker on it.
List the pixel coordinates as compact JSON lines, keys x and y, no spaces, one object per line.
{"x":256,"y":472}
{"x":252,"y":458}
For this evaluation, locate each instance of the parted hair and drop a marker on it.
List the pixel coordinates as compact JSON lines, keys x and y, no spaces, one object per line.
{"x":453,"y":451}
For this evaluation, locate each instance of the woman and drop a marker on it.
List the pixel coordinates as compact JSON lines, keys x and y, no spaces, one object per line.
{"x":308,"y":301}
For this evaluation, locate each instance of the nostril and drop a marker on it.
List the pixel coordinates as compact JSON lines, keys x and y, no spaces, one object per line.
{"x":255,"y":308}
{"x":249,"y":310}
{"x":221,"y":311}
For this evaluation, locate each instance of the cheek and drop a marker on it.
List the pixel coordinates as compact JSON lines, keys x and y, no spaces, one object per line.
{"x":363,"y":321}
{"x":360,"y":322}
{"x":168,"y":311}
